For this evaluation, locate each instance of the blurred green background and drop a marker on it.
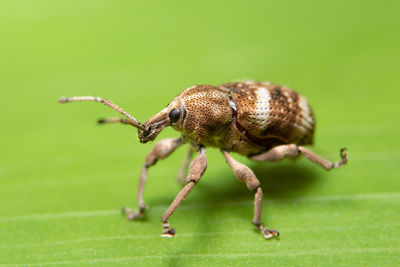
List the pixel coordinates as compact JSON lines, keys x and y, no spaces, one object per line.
{"x":63,"y":179}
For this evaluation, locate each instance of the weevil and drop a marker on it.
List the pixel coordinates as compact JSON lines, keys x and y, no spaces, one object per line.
{"x":260,"y":120}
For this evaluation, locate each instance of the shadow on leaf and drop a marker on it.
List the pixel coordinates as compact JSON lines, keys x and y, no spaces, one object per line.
{"x":278,"y":181}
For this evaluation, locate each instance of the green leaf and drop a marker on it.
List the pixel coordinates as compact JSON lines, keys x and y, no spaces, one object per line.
{"x":63,"y":179}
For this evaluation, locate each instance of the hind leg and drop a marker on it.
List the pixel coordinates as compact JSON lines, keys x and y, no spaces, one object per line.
{"x":278,"y":153}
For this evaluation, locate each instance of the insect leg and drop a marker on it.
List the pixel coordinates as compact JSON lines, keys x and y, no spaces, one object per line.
{"x":160,"y":151}
{"x":197,"y":168}
{"x":280,"y":152}
{"x":245,"y":174}
{"x":323,"y":162}
{"x":182,"y":172}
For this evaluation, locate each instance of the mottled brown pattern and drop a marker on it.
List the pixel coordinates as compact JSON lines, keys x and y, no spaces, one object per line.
{"x":284,"y":113}
{"x":208,"y":113}
{"x":273,"y":117}
{"x":245,"y":117}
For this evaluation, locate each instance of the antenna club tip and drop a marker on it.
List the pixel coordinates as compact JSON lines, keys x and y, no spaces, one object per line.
{"x":101,"y":121}
{"x":63,"y":100}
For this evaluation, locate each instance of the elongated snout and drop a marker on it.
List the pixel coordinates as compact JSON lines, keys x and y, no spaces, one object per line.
{"x":154,"y":126}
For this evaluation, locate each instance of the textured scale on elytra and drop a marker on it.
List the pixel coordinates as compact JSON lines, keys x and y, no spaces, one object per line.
{"x":268,"y":111}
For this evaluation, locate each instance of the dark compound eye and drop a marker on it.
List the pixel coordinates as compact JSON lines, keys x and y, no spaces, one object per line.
{"x":174,"y":115}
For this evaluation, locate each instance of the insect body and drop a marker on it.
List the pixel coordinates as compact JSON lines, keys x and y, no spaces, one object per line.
{"x":260,"y":120}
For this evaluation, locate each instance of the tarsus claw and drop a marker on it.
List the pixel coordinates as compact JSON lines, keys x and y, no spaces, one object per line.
{"x":269,"y":233}
{"x":169,"y":232}
{"x":343,"y":155}
{"x":130,"y":215}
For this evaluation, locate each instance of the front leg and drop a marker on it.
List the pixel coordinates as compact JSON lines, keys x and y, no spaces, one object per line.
{"x":160,"y":151}
{"x":182,"y":172}
{"x":197,"y":168}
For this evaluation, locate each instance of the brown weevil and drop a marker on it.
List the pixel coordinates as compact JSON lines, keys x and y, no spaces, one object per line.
{"x":260,"y":120}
